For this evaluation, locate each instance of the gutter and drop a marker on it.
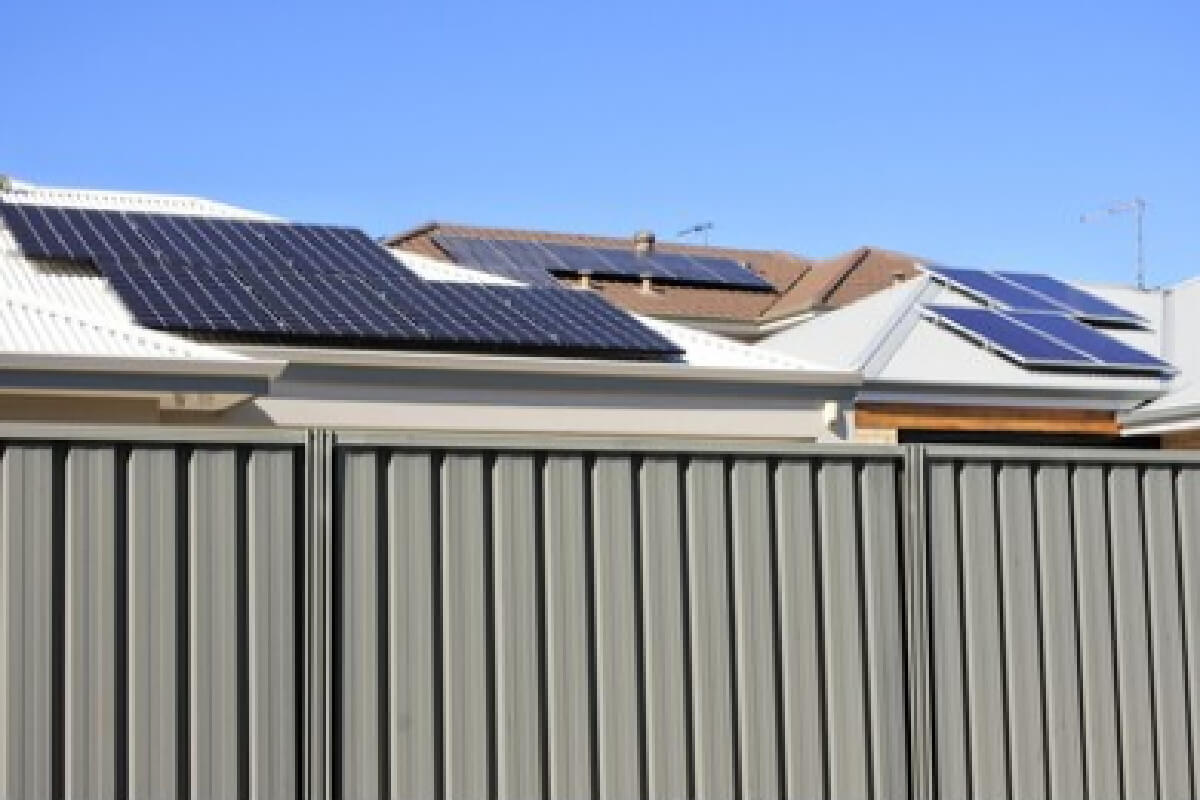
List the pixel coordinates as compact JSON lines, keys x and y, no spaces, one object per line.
{"x":1002,"y":395}
{"x":547,"y":366}
{"x":56,"y":362}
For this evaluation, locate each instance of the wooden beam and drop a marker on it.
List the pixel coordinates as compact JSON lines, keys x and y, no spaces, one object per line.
{"x":911,"y":416}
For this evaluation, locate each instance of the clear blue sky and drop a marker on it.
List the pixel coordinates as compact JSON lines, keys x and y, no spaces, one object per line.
{"x":963,"y":133}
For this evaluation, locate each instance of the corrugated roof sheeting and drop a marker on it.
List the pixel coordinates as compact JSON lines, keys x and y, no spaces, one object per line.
{"x":30,"y":326}
{"x":885,"y":335}
{"x":74,"y":287}
{"x":22,"y":192}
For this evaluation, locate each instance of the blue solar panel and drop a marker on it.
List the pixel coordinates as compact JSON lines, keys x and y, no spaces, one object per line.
{"x":312,"y":281}
{"x":1083,"y":305}
{"x":1110,"y":352}
{"x":993,"y":289}
{"x":1015,"y":340}
{"x":508,"y":259}
{"x":1039,"y":339}
{"x":517,"y":258}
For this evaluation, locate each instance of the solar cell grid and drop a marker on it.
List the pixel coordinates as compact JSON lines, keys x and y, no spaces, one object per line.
{"x":235,"y":276}
{"x":1104,"y":348}
{"x":509,"y":259}
{"x":513,"y":257}
{"x":1017,"y":340}
{"x":995,"y":290}
{"x":1082,"y":304}
{"x":1048,"y":340}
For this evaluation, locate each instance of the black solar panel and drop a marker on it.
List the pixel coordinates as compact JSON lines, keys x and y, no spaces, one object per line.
{"x":535,"y":262}
{"x":187,"y":273}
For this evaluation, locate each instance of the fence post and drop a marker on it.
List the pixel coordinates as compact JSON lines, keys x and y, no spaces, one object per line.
{"x":318,"y":487}
{"x":916,"y":585}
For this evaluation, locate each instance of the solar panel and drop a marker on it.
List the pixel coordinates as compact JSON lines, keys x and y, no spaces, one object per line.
{"x":1023,"y":291}
{"x":1039,"y":339}
{"x":1083,"y":305}
{"x":1019,"y":342}
{"x":508,"y":259}
{"x":1110,"y":352}
{"x":188,"y":273}
{"x":995,"y":290}
{"x":518,"y":258}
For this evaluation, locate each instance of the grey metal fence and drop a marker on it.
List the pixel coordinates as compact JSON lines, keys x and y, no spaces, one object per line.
{"x":579,"y":623}
{"x":310,"y":615}
{"x":1064,"y":600}
{"x":148,"y":634}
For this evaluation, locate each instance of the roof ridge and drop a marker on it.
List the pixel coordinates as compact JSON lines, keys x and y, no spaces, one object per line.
{"x":830,"y":285}
{"x":432,"y":226}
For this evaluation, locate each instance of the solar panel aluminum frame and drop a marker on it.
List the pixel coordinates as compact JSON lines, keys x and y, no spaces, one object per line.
{"x":1091,"y":365}
{"x":1129,"y":319}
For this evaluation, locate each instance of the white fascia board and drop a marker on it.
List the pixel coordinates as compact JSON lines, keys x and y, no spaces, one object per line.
{"x":377,"y":359}
{"x":998,"y":396}
{"x":66,"y":362}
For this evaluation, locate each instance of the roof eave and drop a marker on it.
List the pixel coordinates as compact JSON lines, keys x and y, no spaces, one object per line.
{"x":1003,"y":394}
{"x":373,"y":359}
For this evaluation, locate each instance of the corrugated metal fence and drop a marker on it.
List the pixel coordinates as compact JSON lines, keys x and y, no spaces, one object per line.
{"x":1064,"y":605}
{"x":522,"y":624}
{"x":285,"y":616}
{"x":148,"y":627}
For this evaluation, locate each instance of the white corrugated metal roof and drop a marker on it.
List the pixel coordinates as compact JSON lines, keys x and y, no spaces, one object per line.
{"x":70,"y":286}
{"x":22,"y":192}
{"x":69,"y":309}
{"x":886,"y":336}
{"x":82,"y":291}
{"x":33,"y":325}
{"x":709,"y":350}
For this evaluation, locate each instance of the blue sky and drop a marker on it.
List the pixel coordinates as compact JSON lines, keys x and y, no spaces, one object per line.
{"x":962,"y":132}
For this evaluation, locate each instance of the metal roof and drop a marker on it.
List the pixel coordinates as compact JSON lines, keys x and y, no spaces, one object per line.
{"x":904,"y":355}
{"x":23,"y":192}
{"x":82,"y":293}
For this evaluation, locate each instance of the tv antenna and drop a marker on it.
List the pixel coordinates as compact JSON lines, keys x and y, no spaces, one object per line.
{"x":1138,"y":206}
{"x":699,"y":229}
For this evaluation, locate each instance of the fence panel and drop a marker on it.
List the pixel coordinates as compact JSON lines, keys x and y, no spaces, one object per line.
{"x":515,"y":622}
{"x":263,"y":618}
{"x":149,"y":634}
{"x":1062,"y":593}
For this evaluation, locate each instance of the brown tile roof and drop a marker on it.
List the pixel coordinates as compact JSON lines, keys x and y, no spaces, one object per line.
{"x":800,"y":284}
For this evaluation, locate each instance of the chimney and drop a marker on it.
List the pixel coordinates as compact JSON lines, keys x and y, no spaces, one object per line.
{"x":647,"y":283}
{"x":643,"y":242}
{"x":585,"y":279}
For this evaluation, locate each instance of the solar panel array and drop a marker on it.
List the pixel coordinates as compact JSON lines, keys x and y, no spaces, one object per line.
{"x":1052,"y":341}
{"x":186,"y":273}
{"x":537,"y":262}
{"x":1022,"y":291}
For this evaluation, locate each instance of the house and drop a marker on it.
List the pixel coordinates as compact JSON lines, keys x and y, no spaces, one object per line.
{"x":738,"y":293}
{"x":1002,"y":358}
{"x":162,"y":309}
{"x":1175,"y":417}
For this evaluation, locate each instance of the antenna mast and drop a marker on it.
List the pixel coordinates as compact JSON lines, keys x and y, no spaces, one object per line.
{"x":1138,"y":207}
{"x":697,"y":229}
